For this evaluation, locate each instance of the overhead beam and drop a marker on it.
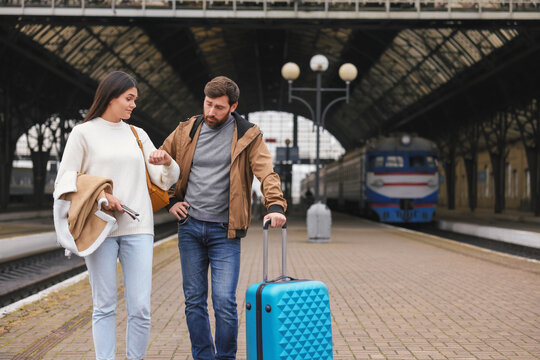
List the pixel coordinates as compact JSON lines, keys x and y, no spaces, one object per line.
{"x":374,"y":13}
{"x":438,"y":98}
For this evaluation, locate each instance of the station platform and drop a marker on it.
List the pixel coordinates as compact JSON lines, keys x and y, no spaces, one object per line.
{"x":394,"y":293}
{"x":520,"y":228}
{"x":32,"y":232}
{"x":19,"y":223}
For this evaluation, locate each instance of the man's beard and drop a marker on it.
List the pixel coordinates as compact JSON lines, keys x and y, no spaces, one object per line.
{"x":216,"y":121}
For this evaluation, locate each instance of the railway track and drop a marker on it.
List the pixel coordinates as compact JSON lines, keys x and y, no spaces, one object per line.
{"x":499,"y":246}
{"x":26,"y":276}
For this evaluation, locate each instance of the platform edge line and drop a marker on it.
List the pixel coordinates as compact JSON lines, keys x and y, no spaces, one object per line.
{"x":56,"y":287}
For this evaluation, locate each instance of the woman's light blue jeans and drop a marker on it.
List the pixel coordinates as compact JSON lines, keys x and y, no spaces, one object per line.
{"x":203,"y":244}
{"x":135,"y":253}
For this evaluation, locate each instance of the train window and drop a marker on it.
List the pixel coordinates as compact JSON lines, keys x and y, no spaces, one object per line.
{"x":375,"y":162}
{"x":432,"y":163}
{"x":417,"y":161}
{"x":394,"y":161}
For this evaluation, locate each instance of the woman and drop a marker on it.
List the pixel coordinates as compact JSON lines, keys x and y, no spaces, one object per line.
{"x":104,"y":145}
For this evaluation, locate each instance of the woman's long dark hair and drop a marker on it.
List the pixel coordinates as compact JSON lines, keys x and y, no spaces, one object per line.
{"x":111,"y":87}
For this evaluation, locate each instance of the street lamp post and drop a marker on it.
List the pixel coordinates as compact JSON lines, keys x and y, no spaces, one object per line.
{"x":290,"y":72}
{"x":287,"y":168}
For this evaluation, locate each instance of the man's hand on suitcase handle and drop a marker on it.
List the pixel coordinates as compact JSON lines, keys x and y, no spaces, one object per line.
{"x":276,"y":220}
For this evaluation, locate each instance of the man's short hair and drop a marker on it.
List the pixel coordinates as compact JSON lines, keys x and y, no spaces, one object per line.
{"x":222,"y":85}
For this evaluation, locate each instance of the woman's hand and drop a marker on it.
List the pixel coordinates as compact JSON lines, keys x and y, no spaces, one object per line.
{"x":160,"y":157}
{"x":114,"y":203}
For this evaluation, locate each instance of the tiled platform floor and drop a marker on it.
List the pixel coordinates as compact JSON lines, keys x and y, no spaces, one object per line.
{"x":394,"y":295}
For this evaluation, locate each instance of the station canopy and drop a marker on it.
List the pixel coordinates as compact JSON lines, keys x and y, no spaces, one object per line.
{"x":404,"y":73}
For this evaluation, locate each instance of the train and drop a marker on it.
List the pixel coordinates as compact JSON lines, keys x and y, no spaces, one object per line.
{"x":394,"y":179}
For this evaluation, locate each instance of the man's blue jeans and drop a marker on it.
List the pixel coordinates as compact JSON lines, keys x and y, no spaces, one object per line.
{"x":201,"y":244}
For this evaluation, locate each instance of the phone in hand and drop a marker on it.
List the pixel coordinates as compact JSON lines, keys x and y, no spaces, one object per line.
{"x":183,"y":219}
{"x":132,"y":213}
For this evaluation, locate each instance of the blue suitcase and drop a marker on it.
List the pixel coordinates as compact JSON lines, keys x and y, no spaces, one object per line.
{"x":286,"y":318}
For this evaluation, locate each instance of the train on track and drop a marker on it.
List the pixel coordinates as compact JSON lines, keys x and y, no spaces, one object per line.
{"x":394,"y":179}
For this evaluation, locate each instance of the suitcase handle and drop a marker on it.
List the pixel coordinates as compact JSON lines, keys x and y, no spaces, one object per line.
{"x":266,"y":225}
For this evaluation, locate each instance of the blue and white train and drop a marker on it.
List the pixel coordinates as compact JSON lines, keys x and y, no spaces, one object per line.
{"x":394,"y":178}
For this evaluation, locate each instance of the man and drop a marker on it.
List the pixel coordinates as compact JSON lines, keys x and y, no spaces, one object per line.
{"x":218,"y":154}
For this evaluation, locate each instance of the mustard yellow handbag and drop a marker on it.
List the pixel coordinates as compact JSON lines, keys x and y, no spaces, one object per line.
{"x":158,"y":196}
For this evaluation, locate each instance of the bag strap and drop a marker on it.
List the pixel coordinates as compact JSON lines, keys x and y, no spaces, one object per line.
{"x":148,"y":182}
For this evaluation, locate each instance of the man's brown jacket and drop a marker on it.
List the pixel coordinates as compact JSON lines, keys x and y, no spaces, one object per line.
{"x":249,"y":156}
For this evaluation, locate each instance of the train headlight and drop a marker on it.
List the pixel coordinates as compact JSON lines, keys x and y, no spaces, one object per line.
{"x":405,"y":140}
{"x":377,"y":183}
{"x":432,"y":183}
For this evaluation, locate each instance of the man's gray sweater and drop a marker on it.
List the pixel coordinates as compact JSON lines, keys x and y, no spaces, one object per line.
{"x":208,"y":185}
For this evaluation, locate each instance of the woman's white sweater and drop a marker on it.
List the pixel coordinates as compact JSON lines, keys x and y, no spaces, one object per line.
{"x":103,"y":148}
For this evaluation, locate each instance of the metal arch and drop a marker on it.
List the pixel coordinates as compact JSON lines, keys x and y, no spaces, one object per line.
{"x":417,"y":66}
{"x":486,"y":41}
{"x":53,"y":37}
{"x":462,"y":51}
{"x":400,"y":59}
{"x":103,"y":52}
{"x":81,"y":44}
{"x":44,"y":30}
{"x":402,"y":75}
{"x":377,"y":75}
{"x":239,"y":47}
{"x":181,"y":50}
{"x":125,"y":42}
{"x":358,"y":92}
{"x":202,"y":38}
{"x":467,"y":51}
{"x":394,"y":71}
{"x":35,"y":28}
{"x":492,"y":46}
{"x":432,"y":51}
{"x":436,"y":78}
{"x":362,"y":54}
{"x":71,"y":76}
{"x":406,"y":70}
{"x":156,"y":92}
{"x":375,"y":121}
{"x":341,"y":135}
{"x":436,"y":47}
{"x":70,"y":39}
{"x":429,"y":57}
{"x":377,"y":110}
{"x":448,"y":95}
{"x":374,"y":105}
{"x":434,"y":58}
{"x":145,"y":55}
{"x":32,"y":57}
{"x":473,"y":43}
